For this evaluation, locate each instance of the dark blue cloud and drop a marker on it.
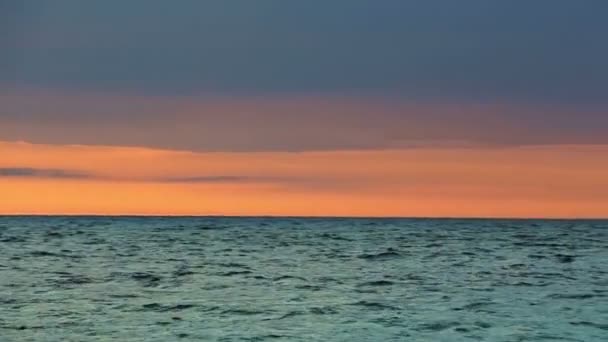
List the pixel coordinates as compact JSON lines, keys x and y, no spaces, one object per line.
{"x":529,"y":51}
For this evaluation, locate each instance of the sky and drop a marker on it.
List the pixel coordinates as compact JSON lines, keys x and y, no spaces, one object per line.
{"x":483,"y":108}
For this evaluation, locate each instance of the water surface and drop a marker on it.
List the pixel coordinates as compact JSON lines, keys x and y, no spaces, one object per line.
{"x":293,"y":279}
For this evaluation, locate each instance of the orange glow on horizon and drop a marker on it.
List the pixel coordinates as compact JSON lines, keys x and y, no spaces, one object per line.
{"x":536,"y":181}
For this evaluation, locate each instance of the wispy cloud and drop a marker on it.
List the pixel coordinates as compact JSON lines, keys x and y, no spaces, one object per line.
{"x":210,"y":179}
{"x":30,"y":172}
{"x":42,"y":173}
{"x":292,"y":183}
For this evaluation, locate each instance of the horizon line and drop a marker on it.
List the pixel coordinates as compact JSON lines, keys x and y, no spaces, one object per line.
{"x":521,"y":218}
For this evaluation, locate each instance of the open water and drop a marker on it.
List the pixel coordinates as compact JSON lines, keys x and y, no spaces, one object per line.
{"x":296,"y":279}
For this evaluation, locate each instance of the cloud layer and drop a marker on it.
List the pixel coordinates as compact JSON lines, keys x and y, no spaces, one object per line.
{"x":549,"y":51}
{"x":297,"y":123}
{"x":302,"y":76}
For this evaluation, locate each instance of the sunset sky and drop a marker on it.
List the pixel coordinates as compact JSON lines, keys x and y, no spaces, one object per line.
{"x":473,"y":108}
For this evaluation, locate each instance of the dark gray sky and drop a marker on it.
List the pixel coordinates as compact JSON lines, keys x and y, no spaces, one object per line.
{"x":526,"y":54}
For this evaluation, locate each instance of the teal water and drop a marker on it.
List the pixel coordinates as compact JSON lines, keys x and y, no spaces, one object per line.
{"x":270,"y":279}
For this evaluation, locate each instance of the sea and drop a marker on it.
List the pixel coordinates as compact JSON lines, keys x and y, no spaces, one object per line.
{"x":302,"y":279}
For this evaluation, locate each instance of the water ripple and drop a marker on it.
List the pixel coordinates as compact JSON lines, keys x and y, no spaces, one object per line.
{"x":292,"y":279}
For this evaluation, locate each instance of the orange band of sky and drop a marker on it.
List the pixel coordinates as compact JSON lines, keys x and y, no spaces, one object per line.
{"x":538,"y":181}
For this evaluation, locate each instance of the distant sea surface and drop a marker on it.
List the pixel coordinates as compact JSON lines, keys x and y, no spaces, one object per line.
{"x":296,"y":279}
